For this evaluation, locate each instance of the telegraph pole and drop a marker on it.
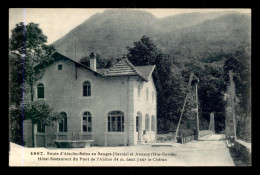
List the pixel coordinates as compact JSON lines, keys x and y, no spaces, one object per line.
{"x":197,"y":102}
{"x":183,"y":107}
{"x":76,"y":73}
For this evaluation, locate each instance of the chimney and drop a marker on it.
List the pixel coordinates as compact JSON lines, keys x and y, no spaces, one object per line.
{"x":92,"y":61}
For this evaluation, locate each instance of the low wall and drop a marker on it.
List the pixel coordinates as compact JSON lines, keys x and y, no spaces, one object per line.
{"x":243,"y":150}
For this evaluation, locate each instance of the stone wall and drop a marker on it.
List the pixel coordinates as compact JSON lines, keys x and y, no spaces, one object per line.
{"x":243,"y":150}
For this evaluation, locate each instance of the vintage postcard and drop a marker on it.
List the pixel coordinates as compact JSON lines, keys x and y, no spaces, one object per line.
{"x":129,"y":87}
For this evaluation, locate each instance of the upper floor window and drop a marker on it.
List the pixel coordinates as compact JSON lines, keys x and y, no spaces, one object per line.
{"x":86,"y":88}
{"x":87,"y":122}
{"x":40,"y":90}
{"x":115,"y":121}
{"x":139,"y":90}
{"x":40,"y":127}
{"x":147,"y":93}
{"x":59,"y":66}
{"x":63,"y":123}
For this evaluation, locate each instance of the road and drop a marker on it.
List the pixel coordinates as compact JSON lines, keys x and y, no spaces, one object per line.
{"x":209,"y":151}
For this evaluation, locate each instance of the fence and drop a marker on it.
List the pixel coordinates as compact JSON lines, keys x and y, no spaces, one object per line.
{"x":184,"y":140}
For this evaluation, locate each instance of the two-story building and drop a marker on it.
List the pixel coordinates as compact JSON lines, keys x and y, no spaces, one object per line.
{"x":113,"y":107}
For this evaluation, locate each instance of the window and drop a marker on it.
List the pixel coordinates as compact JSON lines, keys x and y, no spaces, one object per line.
{"x":137,"y":123}
{"x":60,"y":67}
{"x":40,"y":90}
{"x":87,"y":122}
{"x":86,"y":88}
{"x":152,"y":96}
{"x":40,"y":127}
{"x":63,"y":124}
{"x":153,"y":123}
{"x":146,"y":122}
{"x":139,"y":89}
{"x":147,"y":93}
{"x":115,"y":121}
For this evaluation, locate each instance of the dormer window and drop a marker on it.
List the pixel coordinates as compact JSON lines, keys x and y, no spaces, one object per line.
{"x":59,"y":66}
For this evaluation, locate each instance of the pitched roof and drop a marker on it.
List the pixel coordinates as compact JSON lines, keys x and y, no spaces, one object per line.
{"x":146,"y":71}
{"x":122,"y":68}
{"x":59,"y":56}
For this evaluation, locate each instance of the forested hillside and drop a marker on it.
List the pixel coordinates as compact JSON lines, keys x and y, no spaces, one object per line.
{"x":207,"y":44}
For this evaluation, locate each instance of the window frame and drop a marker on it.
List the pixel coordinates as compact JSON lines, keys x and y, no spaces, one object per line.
{"x":86,"y":89}
{"x":60,"y":67}
{"x":40,"y":129}
{"x":115,"y":121}
{"x":146,"y":122}
{"x":137,"y":123}
{"x":64,"y":127}
{"x":40,"y":85}
{"x":153,"y":123}
{"x":88,"y":116}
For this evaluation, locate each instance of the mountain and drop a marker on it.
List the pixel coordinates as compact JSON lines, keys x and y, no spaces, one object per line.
{"x":185,"y":35}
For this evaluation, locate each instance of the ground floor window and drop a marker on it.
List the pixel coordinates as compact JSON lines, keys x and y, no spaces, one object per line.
{"x":87,"y":122}
{"x":63,"y":124}
{"x":40,"y":127}
{"x":115,"y":121}
{"x":153,"y":123}
{"x":137,"y":123}
{"x":146,"y":122}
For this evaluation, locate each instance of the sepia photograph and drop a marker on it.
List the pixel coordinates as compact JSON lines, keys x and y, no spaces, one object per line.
{"x":129,"y":87}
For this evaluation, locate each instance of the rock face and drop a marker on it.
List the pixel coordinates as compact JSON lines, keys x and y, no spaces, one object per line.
{"x":109,"y":33}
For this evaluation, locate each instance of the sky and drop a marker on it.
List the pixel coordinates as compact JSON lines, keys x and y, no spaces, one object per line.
{"x":57,"y":22}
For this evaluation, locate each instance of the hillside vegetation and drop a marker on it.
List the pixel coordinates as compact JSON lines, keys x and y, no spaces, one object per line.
{"x":207,"y":44}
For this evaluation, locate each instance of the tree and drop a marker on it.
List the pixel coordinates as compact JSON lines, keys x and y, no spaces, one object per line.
{"x":143,"y":53}
{"x":39,"y":111}
{"x":170,"y":85}
{"x":28,"y":44}
{"x":29,"y":55}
